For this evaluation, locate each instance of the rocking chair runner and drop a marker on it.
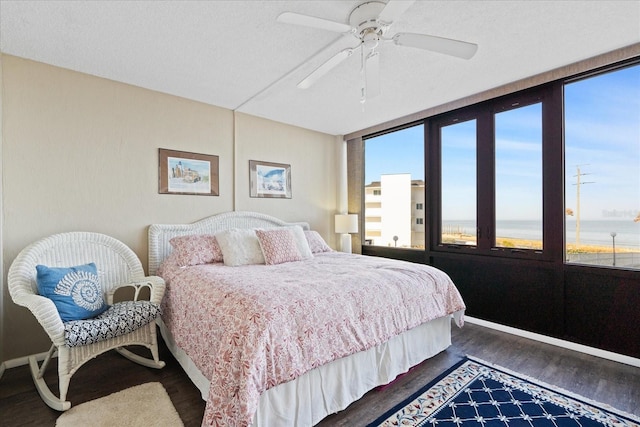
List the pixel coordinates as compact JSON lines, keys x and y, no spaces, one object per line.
{"x":118,"y":266}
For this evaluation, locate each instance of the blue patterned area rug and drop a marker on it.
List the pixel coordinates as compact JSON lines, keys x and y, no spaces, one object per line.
{"x":474,"y":393}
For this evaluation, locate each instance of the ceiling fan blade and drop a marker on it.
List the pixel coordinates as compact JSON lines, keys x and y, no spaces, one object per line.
{"x":372,"y":75}
{"x":393,"y":10}
{"x":312,"y":21}
{"x":451,"y":47}
{"x":325,"y":68}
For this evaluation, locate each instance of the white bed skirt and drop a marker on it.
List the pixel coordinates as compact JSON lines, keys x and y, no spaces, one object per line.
{"x":330,"y":388}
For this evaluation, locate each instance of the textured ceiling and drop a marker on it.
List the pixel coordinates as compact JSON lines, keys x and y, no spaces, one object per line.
{"x":234,"y":54}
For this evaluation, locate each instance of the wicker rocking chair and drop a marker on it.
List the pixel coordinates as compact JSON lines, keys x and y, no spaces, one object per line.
{"x":117,"y":267}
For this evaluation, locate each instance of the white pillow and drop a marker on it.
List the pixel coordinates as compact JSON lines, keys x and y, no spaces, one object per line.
{"x":240,"y":247}
{"x":301,"y":242}
{"x":316,"y":242}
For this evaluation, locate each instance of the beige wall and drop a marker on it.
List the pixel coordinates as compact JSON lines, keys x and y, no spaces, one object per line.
{"x":81,"y":153}
{"x":313,"y":172}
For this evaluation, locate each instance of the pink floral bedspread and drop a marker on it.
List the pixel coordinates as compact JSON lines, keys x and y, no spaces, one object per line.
{"x":253,"y":327}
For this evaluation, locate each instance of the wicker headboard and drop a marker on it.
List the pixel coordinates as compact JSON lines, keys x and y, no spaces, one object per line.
{"x":160,"y":234}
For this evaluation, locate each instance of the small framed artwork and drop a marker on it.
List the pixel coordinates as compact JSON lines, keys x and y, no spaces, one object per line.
{"x":269,"y":179}
{"x":180,"y":172}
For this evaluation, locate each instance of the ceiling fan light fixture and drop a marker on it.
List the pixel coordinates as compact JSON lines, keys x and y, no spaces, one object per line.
{"x":370,"y":39}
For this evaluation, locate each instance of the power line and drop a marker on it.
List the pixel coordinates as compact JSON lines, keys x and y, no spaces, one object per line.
{"x":578,"y":183}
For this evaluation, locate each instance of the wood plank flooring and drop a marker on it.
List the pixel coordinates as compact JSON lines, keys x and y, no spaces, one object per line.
{"x":599,"y":379}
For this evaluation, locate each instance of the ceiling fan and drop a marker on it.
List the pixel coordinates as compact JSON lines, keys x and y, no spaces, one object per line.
{"x":369,"y":22}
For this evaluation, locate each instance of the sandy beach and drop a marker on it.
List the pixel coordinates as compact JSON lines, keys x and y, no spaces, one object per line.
{"x":507,"y":242}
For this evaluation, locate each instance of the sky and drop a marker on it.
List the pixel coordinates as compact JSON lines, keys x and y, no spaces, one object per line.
{"x":602,"y":137}
{"x":396,"y":152}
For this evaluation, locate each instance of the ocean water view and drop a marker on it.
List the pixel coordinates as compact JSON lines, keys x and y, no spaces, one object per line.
{"x":592,"y":232}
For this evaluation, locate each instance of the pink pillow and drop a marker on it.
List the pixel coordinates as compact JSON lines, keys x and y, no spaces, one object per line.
{"x":316,"y":242}
{"x":278,"y":246}
{"x":196,"y":249}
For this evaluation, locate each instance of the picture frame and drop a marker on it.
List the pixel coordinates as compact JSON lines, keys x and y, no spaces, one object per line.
{"x":181,"y":172}
{"x":268,"y":179}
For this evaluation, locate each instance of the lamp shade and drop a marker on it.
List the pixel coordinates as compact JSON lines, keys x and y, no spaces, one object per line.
{"x":346,"y":223}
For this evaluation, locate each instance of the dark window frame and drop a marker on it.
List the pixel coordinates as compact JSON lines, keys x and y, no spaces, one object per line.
{"x":553,"y":174}
{"x":484,"y":114}
{"x":374,"y":250}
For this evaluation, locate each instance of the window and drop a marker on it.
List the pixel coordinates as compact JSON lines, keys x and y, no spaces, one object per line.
{"x":518,"y":177}
{"x":551,"y":173}
{"x":459,"y":183}
{"x":394,"y":183}
{"x":602,"y":169}
{"x":492,"y":176}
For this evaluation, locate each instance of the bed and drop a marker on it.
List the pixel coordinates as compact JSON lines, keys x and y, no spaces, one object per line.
{"x":300,"y":335}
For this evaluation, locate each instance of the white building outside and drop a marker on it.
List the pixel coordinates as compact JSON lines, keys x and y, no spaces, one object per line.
{"x":394,"y":207}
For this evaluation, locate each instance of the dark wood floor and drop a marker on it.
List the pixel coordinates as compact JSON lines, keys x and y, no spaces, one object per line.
{"x":608,"y":382}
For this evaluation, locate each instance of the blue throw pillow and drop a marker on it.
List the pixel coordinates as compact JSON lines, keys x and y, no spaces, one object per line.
{"x":75,"y":291}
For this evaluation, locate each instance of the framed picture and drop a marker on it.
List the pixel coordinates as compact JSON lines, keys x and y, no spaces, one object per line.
{"x":270,"y":179}
{"x":187,"y":173}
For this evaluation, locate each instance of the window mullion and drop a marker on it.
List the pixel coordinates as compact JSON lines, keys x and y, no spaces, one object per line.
{"x":486,"y":181}
{"x":553,"y":159}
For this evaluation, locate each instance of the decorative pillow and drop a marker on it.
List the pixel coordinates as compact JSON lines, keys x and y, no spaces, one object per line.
{"x":278,"y":246}
{"x":75,"y":291}
{"x":196,"y":249}
{"x":301,"y":242}
{"x":240,"y":247}
{"x":121,"y":318}
{"x":316,"y":242}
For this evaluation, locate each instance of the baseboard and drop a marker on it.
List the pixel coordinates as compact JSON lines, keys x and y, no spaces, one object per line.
{"x":604,"y":354}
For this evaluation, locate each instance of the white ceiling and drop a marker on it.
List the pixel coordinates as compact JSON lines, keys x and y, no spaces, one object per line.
{"x":234,"y":54}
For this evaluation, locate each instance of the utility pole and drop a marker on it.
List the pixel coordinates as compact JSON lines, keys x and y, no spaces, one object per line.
{"x":579,"y":176}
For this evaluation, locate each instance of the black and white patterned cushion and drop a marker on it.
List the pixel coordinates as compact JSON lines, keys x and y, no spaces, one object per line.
{"x":120,"y":319}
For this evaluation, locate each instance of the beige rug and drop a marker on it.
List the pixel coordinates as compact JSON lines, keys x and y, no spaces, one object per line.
{"x":140,"y":406}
